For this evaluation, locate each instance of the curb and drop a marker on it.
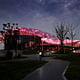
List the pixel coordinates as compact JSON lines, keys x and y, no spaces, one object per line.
{"x":65,"y":72}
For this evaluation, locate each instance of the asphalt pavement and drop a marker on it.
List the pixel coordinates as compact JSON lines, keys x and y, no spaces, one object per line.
{"x":53,"y":70}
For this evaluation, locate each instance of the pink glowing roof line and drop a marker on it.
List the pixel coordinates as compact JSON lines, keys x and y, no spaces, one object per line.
{"x":70,"y":41}
{"x":51,"y":41}
{"x":56,"y":41}
{"x":46,"y":37}
{"x":30,"y":31}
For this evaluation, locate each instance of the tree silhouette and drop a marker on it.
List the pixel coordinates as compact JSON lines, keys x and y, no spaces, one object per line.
{"x":61,"y":32}
{"x":72,"y":33}
{"x":11,"y":37}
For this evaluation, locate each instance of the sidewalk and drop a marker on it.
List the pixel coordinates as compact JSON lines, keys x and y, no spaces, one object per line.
{"x":53,"y":70}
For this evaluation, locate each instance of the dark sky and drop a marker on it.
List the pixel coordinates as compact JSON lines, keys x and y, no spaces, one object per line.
{"x":40,"y":14}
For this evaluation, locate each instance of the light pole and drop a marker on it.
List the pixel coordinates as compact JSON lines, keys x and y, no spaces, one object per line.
{"x":42,"y":45}
{"x":16,"y":34}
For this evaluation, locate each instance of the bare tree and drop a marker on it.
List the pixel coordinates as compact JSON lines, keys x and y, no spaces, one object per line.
{"x":11,"y":37}
{"x":72,"y":33}
{"x":61,"y":32}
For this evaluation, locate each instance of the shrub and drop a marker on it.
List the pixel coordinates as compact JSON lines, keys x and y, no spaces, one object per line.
{"x":9,"y":55}
{"x":65,"y":52}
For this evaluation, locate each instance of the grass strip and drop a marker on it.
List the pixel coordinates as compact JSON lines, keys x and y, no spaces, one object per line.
{"x":73,"y":71}
{"x":17,"y":70}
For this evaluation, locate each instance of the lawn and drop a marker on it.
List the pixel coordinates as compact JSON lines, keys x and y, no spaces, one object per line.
{"x":73,"y":71}
{"x":29,"y":51}
{"x":17,"y":70}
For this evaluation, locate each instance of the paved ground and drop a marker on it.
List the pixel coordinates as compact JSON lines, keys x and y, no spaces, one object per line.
{"x":53,"y":70}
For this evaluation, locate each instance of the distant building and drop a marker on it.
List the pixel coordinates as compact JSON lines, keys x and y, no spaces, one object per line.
{"x":17,"y":40}
{"x":22,"y":38}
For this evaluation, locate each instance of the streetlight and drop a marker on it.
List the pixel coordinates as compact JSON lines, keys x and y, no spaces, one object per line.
{"x":42,"y":45}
